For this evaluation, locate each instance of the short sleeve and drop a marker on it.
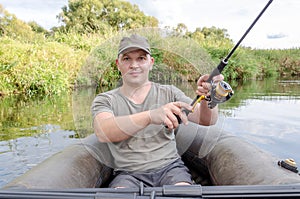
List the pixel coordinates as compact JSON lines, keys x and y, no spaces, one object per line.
{"x":101,"y":103}
{"x":180,"y":95}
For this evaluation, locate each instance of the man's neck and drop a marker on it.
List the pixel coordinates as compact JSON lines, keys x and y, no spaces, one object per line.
{"x":136,"y":94}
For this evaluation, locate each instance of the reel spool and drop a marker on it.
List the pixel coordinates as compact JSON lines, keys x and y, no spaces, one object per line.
{"x":220,"y":93}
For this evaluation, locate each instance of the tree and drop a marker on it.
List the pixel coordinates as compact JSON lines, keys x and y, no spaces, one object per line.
{"x":12,"y":27}
{"x":211,"y":36}
{"x":181,"y":29}
{"x":198,"y":35}
{"x":98,"y":16}
{"x":36,"y":27}
{"x":214,"y":33}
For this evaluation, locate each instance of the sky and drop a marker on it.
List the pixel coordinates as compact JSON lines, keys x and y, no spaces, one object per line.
{"x":278,"y":28}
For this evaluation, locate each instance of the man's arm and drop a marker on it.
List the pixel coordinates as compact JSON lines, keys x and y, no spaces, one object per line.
{"x":109,"y":128}
{"x":202,"y":114}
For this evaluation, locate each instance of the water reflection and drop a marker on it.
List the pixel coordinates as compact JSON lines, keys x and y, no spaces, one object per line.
{"x":32,"y":130}
{"x":266,"y":114}
{"x":20,"y":116}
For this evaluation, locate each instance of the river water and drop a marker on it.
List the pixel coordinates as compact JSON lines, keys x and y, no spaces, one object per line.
{"x":265,"y":113}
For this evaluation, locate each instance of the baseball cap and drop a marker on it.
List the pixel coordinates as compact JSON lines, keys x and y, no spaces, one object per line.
{"x":133,"y":42}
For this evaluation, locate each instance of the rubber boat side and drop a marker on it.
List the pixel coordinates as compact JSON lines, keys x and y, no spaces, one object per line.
{"x":222,"y":158}
{"x":234,"y":161}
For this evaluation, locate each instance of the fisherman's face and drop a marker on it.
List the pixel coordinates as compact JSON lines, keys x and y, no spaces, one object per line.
{"x":135,"y":66}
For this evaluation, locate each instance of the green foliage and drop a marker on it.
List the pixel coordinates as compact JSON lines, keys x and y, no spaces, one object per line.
{"x":91,"y":16}
{"x":170,"y":67}
{"x":212,"y":36}
{"x":99,"y":68}
{"x":283,"y":63}
{"x":214,"y":33}
{"x":37,"y":28}
{"x":83,"y":42}
{"x":44,"y":68}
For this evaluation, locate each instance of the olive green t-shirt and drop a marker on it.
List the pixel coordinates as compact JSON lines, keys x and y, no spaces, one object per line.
{"x":154,"y":146}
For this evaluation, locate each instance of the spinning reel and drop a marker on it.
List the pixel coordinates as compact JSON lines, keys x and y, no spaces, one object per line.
{"x":220,"y":93}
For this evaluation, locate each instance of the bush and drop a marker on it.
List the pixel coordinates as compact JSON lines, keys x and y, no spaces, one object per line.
{"x":37,"y":68}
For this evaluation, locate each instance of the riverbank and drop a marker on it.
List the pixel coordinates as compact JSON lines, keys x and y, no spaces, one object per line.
{"x":49,"y":66}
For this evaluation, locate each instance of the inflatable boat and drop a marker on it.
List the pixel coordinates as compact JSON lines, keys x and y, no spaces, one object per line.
{"x":222,"y":166}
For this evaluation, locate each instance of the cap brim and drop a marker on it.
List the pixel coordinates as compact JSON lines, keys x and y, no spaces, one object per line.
{"x":133,"y":48}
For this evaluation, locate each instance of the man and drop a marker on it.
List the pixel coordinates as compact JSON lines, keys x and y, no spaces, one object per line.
{"x":138,"y":119}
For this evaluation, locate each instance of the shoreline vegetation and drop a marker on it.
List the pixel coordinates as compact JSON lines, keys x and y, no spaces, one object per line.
{"x":35,"y":61}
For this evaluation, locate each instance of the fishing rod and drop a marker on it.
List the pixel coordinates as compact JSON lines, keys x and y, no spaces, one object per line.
{"x":222,"y":91}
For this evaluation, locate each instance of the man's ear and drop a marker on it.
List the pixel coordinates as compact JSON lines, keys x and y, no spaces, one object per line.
{"x":117,"y":63}
{"x":152,"y":63}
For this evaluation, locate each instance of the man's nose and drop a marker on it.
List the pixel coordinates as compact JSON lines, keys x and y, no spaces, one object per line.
{"x":134,"y":64}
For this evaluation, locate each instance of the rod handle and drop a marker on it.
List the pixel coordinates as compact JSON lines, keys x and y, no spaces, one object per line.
{"x":217,"y":70}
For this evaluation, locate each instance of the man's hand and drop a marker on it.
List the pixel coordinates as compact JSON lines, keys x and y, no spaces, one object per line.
{"x":203,"y":87}
{"x":167,"y":114}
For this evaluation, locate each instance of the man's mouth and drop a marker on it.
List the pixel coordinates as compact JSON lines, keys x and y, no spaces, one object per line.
{"x":135,"y":72}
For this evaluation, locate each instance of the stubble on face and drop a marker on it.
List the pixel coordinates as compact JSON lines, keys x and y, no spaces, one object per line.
{"x":134,"y":67}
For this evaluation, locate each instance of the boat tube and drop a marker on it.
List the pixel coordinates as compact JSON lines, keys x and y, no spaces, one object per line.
{"x":73,"y":167}
{"x":230,"y":160}
{"x":214,"y":157}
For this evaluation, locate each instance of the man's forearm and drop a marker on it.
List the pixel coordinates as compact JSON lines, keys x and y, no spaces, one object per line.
{"x":116,"y":129}
{"x":208,"y":116}
{"x":204,"y":115}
